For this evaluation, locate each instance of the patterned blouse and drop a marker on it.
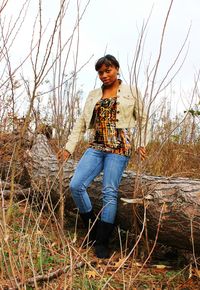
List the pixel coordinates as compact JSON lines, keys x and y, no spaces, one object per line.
{"x":107,"y":137}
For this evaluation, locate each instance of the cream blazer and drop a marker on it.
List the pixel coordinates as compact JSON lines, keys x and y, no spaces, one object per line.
{"x":130,"y":114}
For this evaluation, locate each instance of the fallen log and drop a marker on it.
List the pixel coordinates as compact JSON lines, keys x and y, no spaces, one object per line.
{"x":172,"y":204}
{"x":19,"y":192}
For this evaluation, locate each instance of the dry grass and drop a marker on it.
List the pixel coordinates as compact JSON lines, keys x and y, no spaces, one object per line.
{"x":174,"y":159}
{"x":35,"y":251}
{"x":37,"y":254}
{"x":178,"y":160}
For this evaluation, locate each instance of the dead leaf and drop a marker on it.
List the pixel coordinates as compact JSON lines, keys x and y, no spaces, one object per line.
{"x":91,"y":274}
{"x":119,"y":263}
{"x":136,"y":264}
{"x":196,"y":272}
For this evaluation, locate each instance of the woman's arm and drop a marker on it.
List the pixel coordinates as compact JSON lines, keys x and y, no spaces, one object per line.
{"x":76,"y":134}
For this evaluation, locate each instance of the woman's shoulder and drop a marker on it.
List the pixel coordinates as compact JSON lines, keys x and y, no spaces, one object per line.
{"x":95,"y":93}
{"x":128,"y":89}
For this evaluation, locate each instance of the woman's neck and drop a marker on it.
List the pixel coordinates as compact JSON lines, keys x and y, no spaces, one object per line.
{"x":110,"y":91}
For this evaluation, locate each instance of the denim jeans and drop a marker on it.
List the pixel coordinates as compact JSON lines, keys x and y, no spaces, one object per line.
{"x":90,"y":165}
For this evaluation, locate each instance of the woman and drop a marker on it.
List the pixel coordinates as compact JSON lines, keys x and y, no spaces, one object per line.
{"x":111,"y":111}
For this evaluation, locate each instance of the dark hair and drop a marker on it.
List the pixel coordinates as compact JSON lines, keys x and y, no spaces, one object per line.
{"x":108,"y":60}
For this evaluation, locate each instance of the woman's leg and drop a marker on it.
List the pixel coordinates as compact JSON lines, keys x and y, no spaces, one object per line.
{"x":89,"y":166}
{"x":114,"y":165}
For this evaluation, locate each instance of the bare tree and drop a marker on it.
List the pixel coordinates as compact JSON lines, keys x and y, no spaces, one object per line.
{"x":49,"y":54}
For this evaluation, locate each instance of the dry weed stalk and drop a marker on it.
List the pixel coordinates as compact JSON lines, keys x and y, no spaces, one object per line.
{"x":46,"y":55}
{"x":152,"y":90}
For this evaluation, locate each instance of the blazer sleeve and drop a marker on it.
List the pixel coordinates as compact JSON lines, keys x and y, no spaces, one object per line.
{"x":82,"y":123}
{"x":140,"y":114}
{"x":76,"y":134}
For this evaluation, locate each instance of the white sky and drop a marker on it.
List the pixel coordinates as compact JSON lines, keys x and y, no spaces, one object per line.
{"x":113,"y":25}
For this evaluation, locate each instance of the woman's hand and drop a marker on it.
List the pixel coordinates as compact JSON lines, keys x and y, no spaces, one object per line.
{"x":141,"y":151}
{"x":63,"y":155}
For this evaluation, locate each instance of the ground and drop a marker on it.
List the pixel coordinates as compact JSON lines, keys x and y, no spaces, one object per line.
{"x":33,"y":248}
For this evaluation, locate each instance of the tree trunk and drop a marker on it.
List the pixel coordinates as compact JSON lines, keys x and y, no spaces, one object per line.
{"x":170,"y":206}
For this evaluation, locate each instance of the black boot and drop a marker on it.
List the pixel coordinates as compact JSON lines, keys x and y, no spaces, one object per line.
{"x":104,"y":231}
{"x":88,"y":219}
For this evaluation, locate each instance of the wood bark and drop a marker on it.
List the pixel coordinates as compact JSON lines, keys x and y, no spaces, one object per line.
{"x":171,"y":206}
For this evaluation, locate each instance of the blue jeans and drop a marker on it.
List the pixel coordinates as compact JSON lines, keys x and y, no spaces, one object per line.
{"x":90,"y":165}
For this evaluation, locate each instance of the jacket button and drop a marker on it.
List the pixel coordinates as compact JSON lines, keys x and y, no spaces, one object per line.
{"x":117,"y":120}
{"x":117,"y":112}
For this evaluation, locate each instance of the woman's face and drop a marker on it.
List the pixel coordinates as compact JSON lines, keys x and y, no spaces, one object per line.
{"x":108,"y":74}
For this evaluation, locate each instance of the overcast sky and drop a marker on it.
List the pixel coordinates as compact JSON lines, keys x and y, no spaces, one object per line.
{"x":114,"y":25}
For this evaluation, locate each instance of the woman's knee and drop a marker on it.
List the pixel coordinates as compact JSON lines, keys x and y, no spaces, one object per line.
{"x":75,"y":186}
{"x":110,"y":197}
